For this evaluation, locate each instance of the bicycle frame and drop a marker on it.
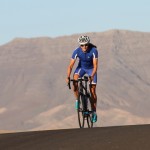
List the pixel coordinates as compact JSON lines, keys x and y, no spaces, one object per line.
{"x":81,"y":86}
{"x":84,"y":97}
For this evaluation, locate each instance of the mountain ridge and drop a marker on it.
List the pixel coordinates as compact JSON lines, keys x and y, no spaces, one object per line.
{"x":33,"y":73}
{"x":111,"y":31}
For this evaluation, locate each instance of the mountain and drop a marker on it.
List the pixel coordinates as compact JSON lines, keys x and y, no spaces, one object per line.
{"x":34,"y":95}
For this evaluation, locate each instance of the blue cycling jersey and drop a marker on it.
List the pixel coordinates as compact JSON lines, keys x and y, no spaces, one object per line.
{"x":85,"y":58}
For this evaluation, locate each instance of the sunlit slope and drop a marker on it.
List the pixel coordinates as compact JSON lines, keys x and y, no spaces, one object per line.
{"x":34,"y":95}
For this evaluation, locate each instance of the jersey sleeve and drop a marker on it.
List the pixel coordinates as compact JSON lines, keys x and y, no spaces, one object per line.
{"x":95,"y":53}
{"x":75,"y":54}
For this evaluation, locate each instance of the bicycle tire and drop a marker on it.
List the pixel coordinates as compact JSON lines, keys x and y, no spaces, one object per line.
{"x":89,"y":116}
{"x":81,"y":119}
{"x":89,"y":121}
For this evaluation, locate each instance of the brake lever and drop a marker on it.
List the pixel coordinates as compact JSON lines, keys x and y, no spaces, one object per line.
{"x":69,"y":83}
{"x":90,"y":81}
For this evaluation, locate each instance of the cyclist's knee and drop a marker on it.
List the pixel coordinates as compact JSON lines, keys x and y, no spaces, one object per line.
{"x":75,"y":84}
{"x":75,"y":76}
{"x":93,"y":90}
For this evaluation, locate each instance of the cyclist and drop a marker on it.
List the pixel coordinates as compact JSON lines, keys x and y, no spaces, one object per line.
{"x":88,"y":64}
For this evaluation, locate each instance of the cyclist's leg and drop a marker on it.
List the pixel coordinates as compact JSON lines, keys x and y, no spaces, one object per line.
{"x":93,"y":89}
{"x":75,"y":85}
{"x":93,"y":92}
{"x":78,"y":73}
{"x":93,"y":96}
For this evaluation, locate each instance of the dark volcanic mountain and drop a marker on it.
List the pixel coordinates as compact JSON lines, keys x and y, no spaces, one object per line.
{"x":34,"y":95}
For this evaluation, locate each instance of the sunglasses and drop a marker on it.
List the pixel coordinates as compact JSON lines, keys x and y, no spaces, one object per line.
{"x":84,"y":45}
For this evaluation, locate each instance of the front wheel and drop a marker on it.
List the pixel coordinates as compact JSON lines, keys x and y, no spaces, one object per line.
{"x":80,"y":111}
{"x":89,"y":117}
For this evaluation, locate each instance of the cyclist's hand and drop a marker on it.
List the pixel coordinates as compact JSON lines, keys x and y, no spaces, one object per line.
{"x":67,"y":80}
{"x":91,"y":78}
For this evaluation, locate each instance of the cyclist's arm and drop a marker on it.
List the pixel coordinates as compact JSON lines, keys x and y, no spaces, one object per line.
{"x":95,"y":64}
{"x":72,"y":62}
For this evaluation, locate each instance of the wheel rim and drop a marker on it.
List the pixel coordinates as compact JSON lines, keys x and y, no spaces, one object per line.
{"x":89,"y":121}
{"x":80,"y":113}
{"x":89,"y":117}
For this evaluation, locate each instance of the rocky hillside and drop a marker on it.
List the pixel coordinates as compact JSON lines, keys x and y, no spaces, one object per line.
{"x":34,"y":95}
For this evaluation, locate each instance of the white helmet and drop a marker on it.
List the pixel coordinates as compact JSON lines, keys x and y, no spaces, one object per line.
{"x":83,"y":39}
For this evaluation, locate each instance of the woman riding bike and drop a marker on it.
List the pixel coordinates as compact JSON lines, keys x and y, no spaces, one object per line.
{"x":88,"y":64}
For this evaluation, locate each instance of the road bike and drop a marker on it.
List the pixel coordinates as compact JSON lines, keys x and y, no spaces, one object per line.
{"x":84,"y":99}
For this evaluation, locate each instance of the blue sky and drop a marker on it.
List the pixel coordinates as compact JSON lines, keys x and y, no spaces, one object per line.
{"x":53,"y":18}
